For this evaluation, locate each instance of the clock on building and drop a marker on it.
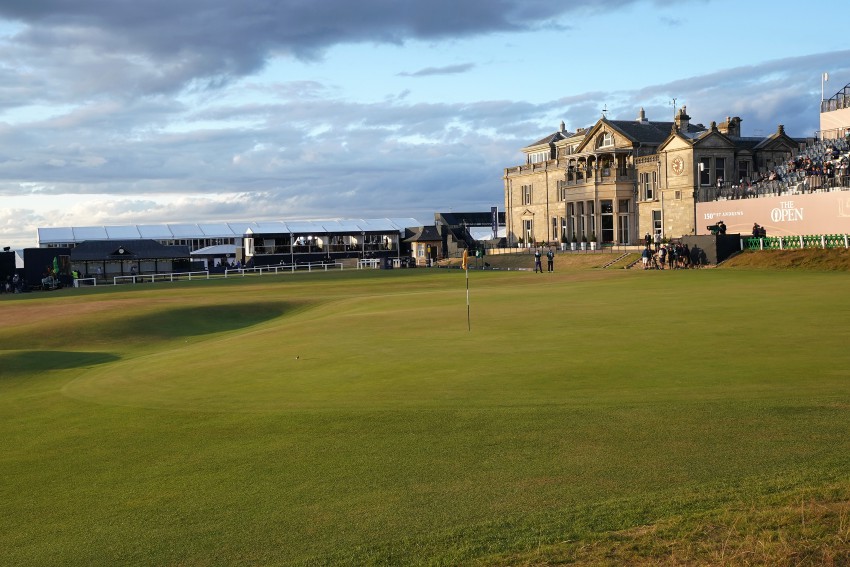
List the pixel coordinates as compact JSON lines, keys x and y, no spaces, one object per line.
{"x":678,"y":165}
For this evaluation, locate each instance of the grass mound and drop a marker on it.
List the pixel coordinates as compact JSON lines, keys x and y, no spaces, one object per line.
{"x":814,"y":259}
{"x":802,"y":529}
{"x":525,"y":261}
{"x":33,"y":363}
{"x":191,"y":321}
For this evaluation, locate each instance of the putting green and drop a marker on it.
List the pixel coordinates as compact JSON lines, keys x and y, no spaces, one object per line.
{"x":353,"y":418}
{"x":411,"y":348}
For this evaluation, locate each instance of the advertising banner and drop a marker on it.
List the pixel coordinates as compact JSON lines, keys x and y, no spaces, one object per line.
{"x":787,"y":215}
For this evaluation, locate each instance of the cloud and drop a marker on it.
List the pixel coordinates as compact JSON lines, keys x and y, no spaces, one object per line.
{"x":319,"y":155}
{"x":162,"y":46}
{"x":785,"y":91}
{"x":447,"y":70}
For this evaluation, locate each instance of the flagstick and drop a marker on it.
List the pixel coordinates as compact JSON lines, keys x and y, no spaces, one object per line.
{"x":468,"y":323}
{"x":465,"y":266}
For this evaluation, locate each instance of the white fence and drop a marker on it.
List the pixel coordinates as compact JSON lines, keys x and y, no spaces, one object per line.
{"x":170,"y":277}
{"x":368,"y":263}
{"x":291,"y":268}
{"x":259,"y":270}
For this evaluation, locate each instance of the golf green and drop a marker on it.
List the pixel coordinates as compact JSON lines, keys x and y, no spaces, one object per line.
{"x":361,"y":418}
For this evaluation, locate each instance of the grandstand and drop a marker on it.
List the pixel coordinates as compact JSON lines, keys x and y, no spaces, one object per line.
{"x":202,"y":235}
{"x":808,"y":195}
{"x":786,"y":179}
{"x":835,"y":115}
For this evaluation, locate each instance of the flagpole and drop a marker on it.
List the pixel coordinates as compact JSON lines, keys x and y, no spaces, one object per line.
{"x":466,"y":269}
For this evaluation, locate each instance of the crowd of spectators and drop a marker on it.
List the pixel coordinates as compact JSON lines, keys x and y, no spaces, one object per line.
{"x":830,"y":164}
{"x":823,"y":165}
{"x":672,"y":256}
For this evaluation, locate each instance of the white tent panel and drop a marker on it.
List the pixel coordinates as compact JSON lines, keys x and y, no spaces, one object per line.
{"x":305,"y":227}
{"x":342,"y":226}
{"x":378,"y":225}
{"x":217,"y":230}
{"x":270,"y":227}
{"x":122,"y":232}
{"x":155,"y":231}
{"x":82,"y":233}
{"x":217,"y":250}
{"x":58,"y":234}
{"x":241,"y":228}
{"x":186,"y":231}
{"x":403,"y":223}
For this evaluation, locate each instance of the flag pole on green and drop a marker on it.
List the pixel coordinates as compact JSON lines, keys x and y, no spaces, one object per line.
{"x":465,"y":266}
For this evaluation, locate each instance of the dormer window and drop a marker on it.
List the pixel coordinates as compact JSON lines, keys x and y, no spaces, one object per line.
{"x":538,"y":157}
{"x":605,"y":140}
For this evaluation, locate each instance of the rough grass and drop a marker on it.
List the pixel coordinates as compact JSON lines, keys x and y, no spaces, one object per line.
{"x":806,"y":529}
{"x":590,"y":417}
{"x":811,"y":259}
{"x":564,"y":261}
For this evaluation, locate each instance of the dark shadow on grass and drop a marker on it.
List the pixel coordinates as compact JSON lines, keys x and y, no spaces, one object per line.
{"x":193,"y":321}
{"x":37,"y":361}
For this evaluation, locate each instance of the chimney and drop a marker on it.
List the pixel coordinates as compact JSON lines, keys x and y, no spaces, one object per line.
{"x":563,"y":127}
{"x":682,"y":119}
{"x":732,"y":127}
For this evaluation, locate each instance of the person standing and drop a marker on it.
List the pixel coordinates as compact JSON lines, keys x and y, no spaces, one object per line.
{"x":647,"y":240}
{"x":537,"y":264}
{"x":657,"y":240}
{"x":550,"y":260}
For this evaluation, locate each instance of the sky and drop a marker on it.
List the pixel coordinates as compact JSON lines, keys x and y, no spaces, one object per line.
{"x":116,"y":112}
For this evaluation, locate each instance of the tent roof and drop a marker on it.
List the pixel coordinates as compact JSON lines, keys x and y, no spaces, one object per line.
{"x":185,"y":231}
{"x":217,"y":250}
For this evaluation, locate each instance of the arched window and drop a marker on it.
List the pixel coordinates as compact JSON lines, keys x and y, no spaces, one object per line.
{"x":604,"y":140}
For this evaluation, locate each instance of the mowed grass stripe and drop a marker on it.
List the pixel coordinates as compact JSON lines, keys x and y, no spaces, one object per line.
{"x":577,"y":405}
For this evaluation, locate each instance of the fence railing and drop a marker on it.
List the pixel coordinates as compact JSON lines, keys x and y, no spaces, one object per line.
{"x":259,"y":270}
{"x":167,"y":277}
{"x":796,"y":242}
{"x":279,"y":268}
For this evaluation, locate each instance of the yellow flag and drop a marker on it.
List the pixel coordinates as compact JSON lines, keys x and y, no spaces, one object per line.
{"x":465,"y":259}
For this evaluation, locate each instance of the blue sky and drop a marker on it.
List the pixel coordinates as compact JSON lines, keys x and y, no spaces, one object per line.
{"x":117,"y":112}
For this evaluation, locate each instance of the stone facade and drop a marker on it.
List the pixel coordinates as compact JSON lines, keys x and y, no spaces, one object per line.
{"x":620,"y":179}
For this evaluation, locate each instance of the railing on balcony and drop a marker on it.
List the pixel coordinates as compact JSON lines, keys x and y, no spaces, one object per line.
{"x":600,"y":175}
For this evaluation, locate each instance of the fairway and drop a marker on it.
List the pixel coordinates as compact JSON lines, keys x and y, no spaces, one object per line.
{"x":351,"y":417}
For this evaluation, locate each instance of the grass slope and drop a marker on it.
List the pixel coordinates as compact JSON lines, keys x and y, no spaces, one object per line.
{"x":351,"y":418}
{"x":809,"y":259}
